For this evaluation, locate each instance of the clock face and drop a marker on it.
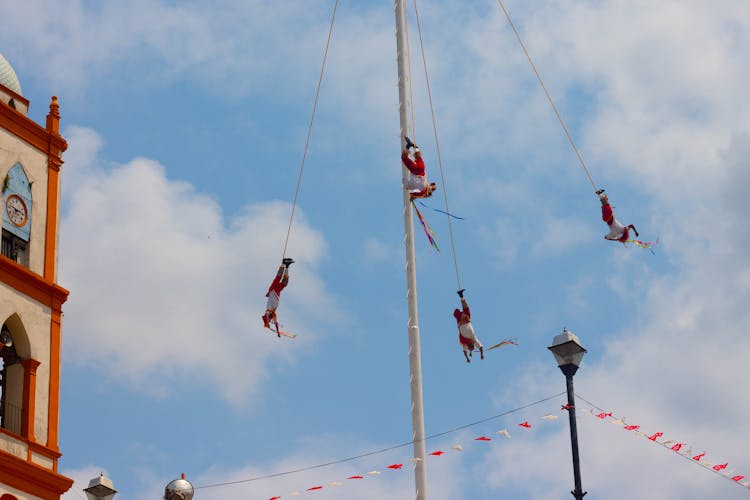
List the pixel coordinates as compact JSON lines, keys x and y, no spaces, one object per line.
{"x":16,"y":210}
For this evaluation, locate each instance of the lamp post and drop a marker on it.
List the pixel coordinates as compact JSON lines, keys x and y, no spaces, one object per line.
{"x":179,"y":489}
{"x":568,"y":354}
{"x":100,"y":488}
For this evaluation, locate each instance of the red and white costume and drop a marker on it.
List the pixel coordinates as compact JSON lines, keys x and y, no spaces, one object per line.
{"x":466,"y":335}
{"x":617,"y":232}
{"x":274,"y":291}
{"x":416,"y":183}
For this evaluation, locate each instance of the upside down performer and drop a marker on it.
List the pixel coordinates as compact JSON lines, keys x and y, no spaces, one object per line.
{"x":617,"y":232}
{"x":280,"y":281}
{"x":416,"y":183}
{"x":466,"y":335}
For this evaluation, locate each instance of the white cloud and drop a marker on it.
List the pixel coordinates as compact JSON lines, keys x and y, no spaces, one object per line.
{"x":672,"y":120}
{"x":161,"y":283}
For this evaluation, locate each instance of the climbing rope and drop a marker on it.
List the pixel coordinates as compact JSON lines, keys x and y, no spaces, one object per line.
{"x":437,"y":146}
{"x":309,"y":129}
{"x":546,"y":92}
{"x":413,"y":132}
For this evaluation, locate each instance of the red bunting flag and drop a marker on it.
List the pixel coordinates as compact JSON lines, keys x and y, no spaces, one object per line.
{"x":604,"y":415}
{"x":525,"y":425}
{"x":738,"y":478}
{"x":437,"y":453}
{"x":566,"y":407}
{"x":482,"y":438}
{"x":314,"y":488}
{"x":677,"y":446}
{"x":655,"y":436}
{"x":355,"y":477}
{"x":632,"y":427}
{"x":698,"y":457}
{"x":274,"y":498}
{"x":720,"y":466}
{"x":395,"y":466}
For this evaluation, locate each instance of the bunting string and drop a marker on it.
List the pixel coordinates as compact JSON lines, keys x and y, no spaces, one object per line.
{"x":480,"y":441}
{"x":383,"y":450}
{"x":680,"y":447}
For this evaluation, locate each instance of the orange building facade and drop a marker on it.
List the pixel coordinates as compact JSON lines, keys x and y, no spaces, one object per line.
{"x":30,"y":298}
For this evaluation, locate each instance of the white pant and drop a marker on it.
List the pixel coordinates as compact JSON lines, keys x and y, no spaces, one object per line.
{"x":415,"y":182}
{"x":467,"y":331}
{"x":616,"y":230}
{"x":273,"y":301}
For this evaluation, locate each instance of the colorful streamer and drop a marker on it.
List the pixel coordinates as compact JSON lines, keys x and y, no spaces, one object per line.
{"x":427,"y":229}
{"x":647,"y":245}
{"x":505,"y":342}
{"x":443,"y":212}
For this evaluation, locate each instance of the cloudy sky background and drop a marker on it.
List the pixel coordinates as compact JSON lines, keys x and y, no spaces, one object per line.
{"x":186,"y":126}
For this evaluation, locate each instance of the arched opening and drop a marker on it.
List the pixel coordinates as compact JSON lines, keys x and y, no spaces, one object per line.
{"x":14,"y":348}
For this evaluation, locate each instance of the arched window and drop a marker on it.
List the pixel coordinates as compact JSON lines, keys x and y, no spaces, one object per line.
{"x":10,"y":395}
{"x":14,"y":363}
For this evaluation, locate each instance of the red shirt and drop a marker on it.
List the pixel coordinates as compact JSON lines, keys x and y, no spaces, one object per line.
{"x":415,"y":167}
{"x":277,"y":285}
{"x":462,"y":317}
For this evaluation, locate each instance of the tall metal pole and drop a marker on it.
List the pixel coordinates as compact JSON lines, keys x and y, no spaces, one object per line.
{"x":569,"y":371}
{"x":415,"y":355}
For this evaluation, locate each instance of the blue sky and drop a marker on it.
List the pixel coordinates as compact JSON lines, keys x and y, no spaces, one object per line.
{"x":187,"y":124}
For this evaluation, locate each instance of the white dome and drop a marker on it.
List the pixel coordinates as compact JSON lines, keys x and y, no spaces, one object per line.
{"x":8,"y":76}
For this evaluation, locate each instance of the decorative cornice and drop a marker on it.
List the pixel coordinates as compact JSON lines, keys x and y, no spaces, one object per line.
{"x":32,"y":285}
{"x":31,"y":478}
{"x":30,"y":131}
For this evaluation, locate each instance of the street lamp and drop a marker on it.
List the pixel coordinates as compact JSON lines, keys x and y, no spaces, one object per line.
{"x":179,"y":489}
{"x":568,"y":354}
{"x":100,"y":488}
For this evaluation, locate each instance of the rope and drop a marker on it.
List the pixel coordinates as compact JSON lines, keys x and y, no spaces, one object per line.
{"x":413,"y":133}
{"x":546,"y":92}
{"x":437,"y":146}
{"x":309,"y":129}
{"x":382,"y":450}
